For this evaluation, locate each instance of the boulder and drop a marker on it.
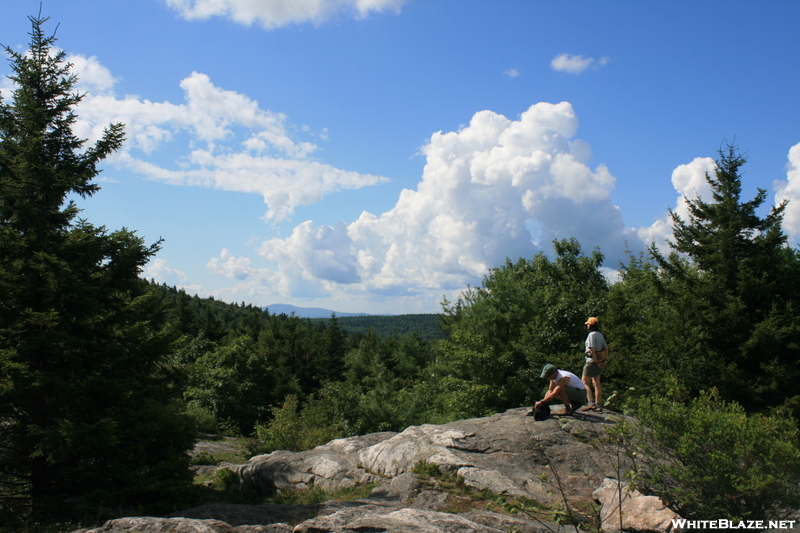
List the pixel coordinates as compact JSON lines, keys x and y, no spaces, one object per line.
{"x":637,"y":512}
{"x":331,"y":466}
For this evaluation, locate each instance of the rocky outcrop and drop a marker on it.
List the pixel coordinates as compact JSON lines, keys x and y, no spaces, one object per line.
{"x":562,"y":458}
{"x":332,"y":466}
{"x":637,"y":511}
{"x":506,"y":453}
{"x":413,"y":520}
{"x":404,"y":520}
{"x":149,"y":524}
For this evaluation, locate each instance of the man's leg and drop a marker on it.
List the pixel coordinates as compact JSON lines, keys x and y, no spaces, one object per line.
{"x":577,"y":397}
{"x":561,"y":394}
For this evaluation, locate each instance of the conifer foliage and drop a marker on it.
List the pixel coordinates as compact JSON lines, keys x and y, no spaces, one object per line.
{"x":87,"y":413}
{"x":734,"y":283}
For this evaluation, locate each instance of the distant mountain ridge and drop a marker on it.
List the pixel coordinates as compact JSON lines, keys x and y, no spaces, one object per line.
{"x":307,"y":312}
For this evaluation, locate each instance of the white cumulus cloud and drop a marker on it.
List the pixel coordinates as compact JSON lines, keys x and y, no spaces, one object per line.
{"x":93,"y":77}
{"x":789,"y":190}
{"x":496,"y":188}
{"x":233,"y":267}
{"x":160,"y":271}
{"x":229,"y":141}
{"x":276,"y":13}
{"x":690,"y":182}
{"x":576,"y":63}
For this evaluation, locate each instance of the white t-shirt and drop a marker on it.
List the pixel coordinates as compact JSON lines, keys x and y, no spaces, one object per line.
{"x":574,"y":381}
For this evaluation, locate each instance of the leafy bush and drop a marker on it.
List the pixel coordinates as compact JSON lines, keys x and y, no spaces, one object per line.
{"x":294,"y":429}
{"x":709,"y":458}
{"x":225,"y":479}
{"x":204,"y":419}
{"x":203,"y":458}
{"x":231,"y":382}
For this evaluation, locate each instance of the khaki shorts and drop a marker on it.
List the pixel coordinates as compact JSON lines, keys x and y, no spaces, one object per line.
{"x":576,"y":395}
{"x":591,"y":369}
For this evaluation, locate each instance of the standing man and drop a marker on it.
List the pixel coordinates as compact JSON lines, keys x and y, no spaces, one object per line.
{"x":596,"y":357}
{"x":564,"y":386}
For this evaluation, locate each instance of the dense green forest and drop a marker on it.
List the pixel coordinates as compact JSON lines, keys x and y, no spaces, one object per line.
{"x":106,"y":378}
{"x":427,"y":326}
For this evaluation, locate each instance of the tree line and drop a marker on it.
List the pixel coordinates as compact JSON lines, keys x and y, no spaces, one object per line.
{"x":426,"y":325}
{"x":106,"y":378}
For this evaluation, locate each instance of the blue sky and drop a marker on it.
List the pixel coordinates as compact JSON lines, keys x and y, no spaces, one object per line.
{"x":379,"y":155}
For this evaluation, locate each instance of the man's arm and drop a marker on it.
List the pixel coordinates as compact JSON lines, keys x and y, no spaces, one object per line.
{"x":550,"y":391}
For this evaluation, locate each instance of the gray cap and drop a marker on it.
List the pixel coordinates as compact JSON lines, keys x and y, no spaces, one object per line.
{"x":547,"y":370}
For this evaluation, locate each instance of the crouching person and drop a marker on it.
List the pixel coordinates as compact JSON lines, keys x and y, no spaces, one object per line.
{"x":565,"y":387}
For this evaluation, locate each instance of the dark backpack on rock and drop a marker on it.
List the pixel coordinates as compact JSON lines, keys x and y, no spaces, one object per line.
{"x":540,"y":413}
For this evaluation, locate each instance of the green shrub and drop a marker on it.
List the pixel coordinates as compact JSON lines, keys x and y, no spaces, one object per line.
{"x":225,"y":479}
{"x":308,"y":496}
{"x":448,"y":480}
{"x":203,"y":458}
{"x":709,"y":458}
{"x":206,"y":422}
{"x":427,"y":470}
{"x":295,"y":429}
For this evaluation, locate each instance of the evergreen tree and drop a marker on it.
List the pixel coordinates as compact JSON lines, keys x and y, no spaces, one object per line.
{"x":330,"y":361}
{"x":734,"y":283}
{"x":88,"y":412}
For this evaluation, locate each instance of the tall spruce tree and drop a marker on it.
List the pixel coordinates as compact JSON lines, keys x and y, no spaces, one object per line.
{"x":88,"y":412}
{"x":734,"y":282}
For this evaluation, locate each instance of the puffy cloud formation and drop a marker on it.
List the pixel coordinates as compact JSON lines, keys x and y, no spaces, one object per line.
{"x":575,"y":64}
{"x":789,"y":190}
{"x":94,"y":78}
{"x":275,"y":13}
{"x":231,"y":143}
{"x":160,"y":270}
{"x":230,"y":266}
{"x":690,"y":182}
{"x":497,"y":188}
